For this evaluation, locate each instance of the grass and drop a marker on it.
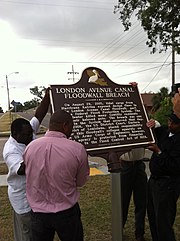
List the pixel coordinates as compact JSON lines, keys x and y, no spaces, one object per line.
{"x":3,"y":169}
{"x":95,"y":202}
{"x":6,"y":121}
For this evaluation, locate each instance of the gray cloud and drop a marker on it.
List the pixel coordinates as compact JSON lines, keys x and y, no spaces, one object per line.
{"x":67,"y":20}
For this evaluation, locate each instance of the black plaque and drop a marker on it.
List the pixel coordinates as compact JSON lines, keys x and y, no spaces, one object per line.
{"x":107,"y":116}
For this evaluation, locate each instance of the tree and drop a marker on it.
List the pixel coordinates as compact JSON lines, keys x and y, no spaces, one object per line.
{"x":158,"y":98}
{"x":38,"y":91}
{"x":162,"y":106}
{"x":165,"y":109}
{"x":18,"y":108}
{"x":31,"y":104}
{"x":159,"y":18}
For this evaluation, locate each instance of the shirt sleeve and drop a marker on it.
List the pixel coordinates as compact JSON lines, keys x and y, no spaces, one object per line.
{"x":13,"y":161}
{"x":35,"y":124}
{"x":83,"y":170}
{"x":157,"y":124}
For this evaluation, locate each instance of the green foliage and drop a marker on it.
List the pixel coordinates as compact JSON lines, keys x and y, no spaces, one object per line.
{"x":159,"y":18}
{"x":38,"y":91}
{"x":18,"y":108}
{"x":164,"y":110}
{"x":162,"y":106}
{"x":158,"y":98}
{"x":31,"y":104}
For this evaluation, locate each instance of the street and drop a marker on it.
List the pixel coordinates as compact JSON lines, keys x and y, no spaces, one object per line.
{"x":2,"y":142}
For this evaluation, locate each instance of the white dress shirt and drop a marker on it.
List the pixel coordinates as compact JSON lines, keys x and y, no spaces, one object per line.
{"x":12,"y":154}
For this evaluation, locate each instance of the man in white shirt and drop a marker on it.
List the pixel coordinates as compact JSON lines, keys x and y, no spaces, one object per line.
{"x":22,"y":132}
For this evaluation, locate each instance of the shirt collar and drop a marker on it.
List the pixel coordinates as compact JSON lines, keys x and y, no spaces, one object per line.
{"x":55,"y":134}
{"x":171,"y":134}
{"x":12,"y":140}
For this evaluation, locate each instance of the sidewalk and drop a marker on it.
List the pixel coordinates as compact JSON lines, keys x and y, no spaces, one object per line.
{"x":3,"y":180}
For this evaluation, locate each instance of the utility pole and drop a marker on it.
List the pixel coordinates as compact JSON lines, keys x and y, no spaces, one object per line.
{"x":73,"y":74}
{"x":7,"y":88}
{"x":173,"y":65}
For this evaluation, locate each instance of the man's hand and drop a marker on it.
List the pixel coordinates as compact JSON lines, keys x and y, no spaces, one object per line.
{"x":134,"y":84}
{"x":151,"y":123}
{"x":153,"y":147}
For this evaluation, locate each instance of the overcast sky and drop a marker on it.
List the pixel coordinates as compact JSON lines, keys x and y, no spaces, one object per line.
{"x":43,"y":39}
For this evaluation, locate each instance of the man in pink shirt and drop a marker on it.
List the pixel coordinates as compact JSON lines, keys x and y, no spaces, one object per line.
{"x":55,"y":168}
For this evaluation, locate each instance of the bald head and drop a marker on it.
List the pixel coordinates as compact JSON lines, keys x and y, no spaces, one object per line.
{"x":61,"y":121}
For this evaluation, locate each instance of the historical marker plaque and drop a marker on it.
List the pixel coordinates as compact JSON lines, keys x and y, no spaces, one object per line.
{"x":107,"y":116}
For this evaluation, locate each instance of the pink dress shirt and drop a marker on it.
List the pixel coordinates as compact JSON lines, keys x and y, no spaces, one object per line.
{"x":55,"y":167}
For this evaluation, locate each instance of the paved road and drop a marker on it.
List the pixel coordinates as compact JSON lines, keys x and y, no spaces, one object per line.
{"x":2,"y":142}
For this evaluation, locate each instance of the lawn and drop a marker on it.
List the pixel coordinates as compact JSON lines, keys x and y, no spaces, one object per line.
{"x":3,"y":169}
{"x":95,"y":205}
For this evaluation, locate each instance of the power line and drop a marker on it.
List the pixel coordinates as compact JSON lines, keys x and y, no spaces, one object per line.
{"x":125,"y":42}
{"x":107,"y":46}
{"x":54,"y":5}
{"x":94,"y":62}
{"x":145,"y":50}
{"x":140,"y":71}
{"x":116,"y":39}
{"x":129,"y":49}
{"x":157,"y":73}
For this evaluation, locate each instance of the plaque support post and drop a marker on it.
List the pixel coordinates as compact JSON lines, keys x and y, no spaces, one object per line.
{"x":117,"y":226}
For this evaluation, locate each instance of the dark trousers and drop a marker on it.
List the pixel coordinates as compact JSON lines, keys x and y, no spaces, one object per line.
{"x":134,"y":181}
{"x":67,"y":224}
{"x":163,"y":194}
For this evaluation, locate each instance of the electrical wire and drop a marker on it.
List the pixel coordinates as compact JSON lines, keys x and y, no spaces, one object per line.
{"x":157,"y":72}
{"x":54,"y":5}
{"x":140,"y":71}
{"x":117,"y":45}
{"x":110,"y":44}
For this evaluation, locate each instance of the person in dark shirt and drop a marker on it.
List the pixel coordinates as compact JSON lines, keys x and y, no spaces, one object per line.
{"x":164,"y":182}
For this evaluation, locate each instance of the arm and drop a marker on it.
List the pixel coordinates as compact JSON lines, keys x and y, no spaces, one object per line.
{"x":165,"y":160}
{"x":153,"y":123}
{"x":42,"y":109}
{"x":153,"y":147}
{"x":15,"y":164}
{"x":21,"y":170}
{"x":83,"y":169}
